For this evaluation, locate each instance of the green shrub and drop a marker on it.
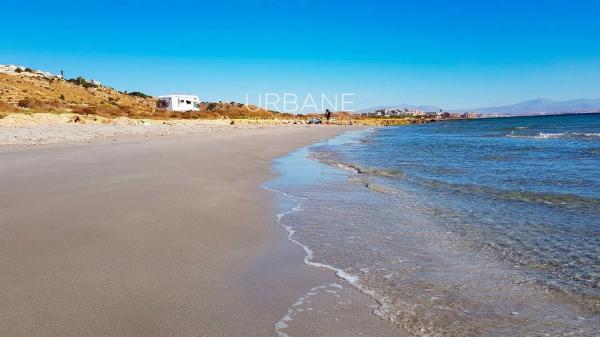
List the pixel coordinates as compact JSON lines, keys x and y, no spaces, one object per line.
{"x":82,"y":82}
{"x":139,"y":94}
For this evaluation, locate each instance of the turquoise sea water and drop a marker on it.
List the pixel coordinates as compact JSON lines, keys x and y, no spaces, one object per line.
{"x":463,"y":228}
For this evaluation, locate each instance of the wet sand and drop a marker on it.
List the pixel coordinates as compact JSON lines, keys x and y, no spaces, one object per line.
{"x":163,"y":236}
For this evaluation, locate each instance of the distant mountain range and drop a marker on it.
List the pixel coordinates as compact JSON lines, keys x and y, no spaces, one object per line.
{"x":541,"y":105}
{"x":532,"y":107}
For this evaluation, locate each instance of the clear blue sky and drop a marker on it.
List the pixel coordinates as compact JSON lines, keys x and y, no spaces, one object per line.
{"x":454,"y":54}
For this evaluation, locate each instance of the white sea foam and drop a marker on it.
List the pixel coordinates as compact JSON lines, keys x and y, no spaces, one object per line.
{"x":558,"y":135}
{"x":283,"y":193}
{"x":301,"y":303}
{"x":383,"y":306}
{"x":542,"y":135}
{"x":336,"y":285}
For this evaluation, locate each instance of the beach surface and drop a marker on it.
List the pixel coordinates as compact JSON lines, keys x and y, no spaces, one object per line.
{"x":51,"y":128}
{"x":162,"y":236}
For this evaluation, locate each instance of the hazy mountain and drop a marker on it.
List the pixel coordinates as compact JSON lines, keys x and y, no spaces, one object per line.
{"x":536,"y":106}
{"x":540,"y":105}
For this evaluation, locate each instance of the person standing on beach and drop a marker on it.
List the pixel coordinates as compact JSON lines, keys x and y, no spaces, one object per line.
{"x":327,"y":115}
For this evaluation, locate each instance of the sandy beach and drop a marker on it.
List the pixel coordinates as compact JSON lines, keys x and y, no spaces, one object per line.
{"x":261,"y":169}
{"x":50,"y":128}
{"x":162,"y":236}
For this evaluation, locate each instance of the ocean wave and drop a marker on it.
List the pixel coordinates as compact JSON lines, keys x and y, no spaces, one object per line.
{"x":556,"y":199}
{"x":558,"y":135}
{"x":513,"y":128}
{"x":353,"y":280}
{"x":591,"y":151}
{"x":372,"y":171}
{"x":380,"y":188}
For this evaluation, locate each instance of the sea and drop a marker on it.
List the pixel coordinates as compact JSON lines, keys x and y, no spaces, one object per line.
{"x":479,"y":227}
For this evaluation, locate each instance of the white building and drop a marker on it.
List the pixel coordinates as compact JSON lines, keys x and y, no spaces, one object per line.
{"x":20,"y":70}
{"x":179,"y":103}
{"x":8,"y":68}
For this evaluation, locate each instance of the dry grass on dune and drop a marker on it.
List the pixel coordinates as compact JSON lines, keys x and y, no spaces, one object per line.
{"x":207,"y":111}
{"x":31,"y":94}
{"x":63,"y":95}
{"x":6,"y":108}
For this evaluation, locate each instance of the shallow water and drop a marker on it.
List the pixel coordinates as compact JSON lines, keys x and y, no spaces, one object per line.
{"x":466,"y":228}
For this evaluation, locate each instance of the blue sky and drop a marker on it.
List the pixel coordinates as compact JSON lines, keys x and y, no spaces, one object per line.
{"x":455,"y":54}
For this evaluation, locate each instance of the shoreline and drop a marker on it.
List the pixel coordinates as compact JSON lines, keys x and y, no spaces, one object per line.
{"x":344,"y":236}
{"x":155,"y":236}
{"x":362,"y":298}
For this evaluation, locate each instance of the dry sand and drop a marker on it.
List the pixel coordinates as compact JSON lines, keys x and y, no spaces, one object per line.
{"x":51,"y":128}
{"x":160,"y":236}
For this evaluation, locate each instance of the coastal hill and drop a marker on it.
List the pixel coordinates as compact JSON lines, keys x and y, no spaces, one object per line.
{"x":26,"y":94}
{"x":27,"y":90}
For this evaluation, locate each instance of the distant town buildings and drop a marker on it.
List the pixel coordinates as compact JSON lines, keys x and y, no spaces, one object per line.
{"x":394,"y":113}
{"x":416,"y":113}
